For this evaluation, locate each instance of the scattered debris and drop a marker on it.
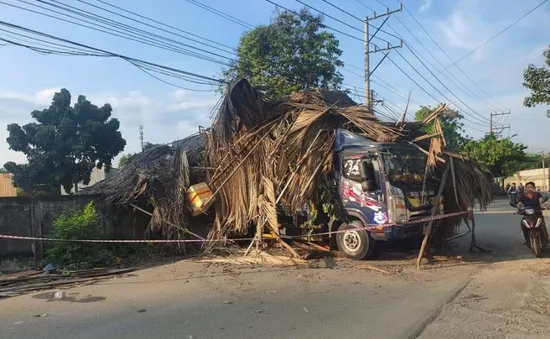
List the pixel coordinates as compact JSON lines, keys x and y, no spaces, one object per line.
{"x":21,"y":284}
{"x":44,"y":315}
{"x":374,"y":268}
{"x":142,"y":311}
{"x":306,"y":309}
{"x":227,"y":302}
{"x":262,"y":258}
{"x":48,"y":268}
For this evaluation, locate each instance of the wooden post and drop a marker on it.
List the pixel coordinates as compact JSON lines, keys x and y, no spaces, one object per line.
{"x":435,"y":208}
{"x":473,"y":244}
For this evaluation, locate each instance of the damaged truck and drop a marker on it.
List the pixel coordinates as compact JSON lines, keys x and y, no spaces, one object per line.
{"x":382,"y":195}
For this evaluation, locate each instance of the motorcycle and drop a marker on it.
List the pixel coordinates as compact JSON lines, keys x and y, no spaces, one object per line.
{"x":513,"y":199}
{"x":534,"y":229}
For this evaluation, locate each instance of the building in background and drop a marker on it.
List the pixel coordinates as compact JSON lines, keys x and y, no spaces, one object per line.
{"x":540,"y":176}
{"x":6,"y":185}
{"x":96,"y":176}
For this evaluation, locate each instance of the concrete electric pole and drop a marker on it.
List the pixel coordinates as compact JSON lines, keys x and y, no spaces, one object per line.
{"x":544,"y":182}
{"x":141,"y":136}
{"x":367,"y":41}
{"x":494,"y":129}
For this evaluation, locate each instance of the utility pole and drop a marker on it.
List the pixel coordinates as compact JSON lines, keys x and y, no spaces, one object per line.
{"x":544,"y":183}
{"x":367,"y":40}
{"x":497,"y":130}
{"x":141,"y":136}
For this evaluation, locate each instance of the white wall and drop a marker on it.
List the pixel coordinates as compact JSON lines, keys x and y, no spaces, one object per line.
{"x":96,"y":176}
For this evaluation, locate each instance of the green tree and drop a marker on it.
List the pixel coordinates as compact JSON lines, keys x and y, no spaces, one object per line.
{"x":124,"y":160}
{"x":3,"y":170}
{"x":450,"y":124}
{"x":501,"y":157}
{"x":537,"y":80}
{"x":64,"y":145}
{"x":292,"y":53}
{"x":148,"y":145}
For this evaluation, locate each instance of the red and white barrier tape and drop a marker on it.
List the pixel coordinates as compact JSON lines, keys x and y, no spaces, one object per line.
{"x":367,"y":227}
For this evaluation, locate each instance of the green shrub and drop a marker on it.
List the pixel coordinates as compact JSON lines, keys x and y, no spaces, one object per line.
{"x":78,"y":224}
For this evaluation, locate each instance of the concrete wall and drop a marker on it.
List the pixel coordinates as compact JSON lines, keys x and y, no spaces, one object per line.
{"x":96,"y":176}
{"x":33,"y":217}
{"x":6,"y":186}
{"x":538,"y":176}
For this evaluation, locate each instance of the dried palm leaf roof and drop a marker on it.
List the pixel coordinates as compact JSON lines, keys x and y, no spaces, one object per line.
{"x":290,"y":143}
{"x":260,"y":155}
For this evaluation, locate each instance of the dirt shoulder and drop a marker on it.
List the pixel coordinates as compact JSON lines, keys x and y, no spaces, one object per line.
{"x":505,"y":300}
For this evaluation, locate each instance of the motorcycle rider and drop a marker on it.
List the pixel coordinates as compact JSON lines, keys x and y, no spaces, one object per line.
{"x":531,"y":199}
{"x":512,"y":193}
{"x":521,"y":189}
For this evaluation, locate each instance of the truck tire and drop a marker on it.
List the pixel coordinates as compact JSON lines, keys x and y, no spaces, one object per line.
{"x":355,"y":242}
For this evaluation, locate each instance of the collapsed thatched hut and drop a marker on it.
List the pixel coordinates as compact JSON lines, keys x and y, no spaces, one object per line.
{"x":260,"y":158}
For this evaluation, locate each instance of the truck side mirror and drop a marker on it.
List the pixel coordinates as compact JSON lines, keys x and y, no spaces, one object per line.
{"x":545,"y":199}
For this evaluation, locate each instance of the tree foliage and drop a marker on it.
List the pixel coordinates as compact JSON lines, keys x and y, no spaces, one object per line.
{"x":124,"y":159}
{"x":64,"y":144}
{"x":534,"y":161}
{"x":450,"y":123}
{"x":537,"y":80}
{"x":78,"y":224}
{"x":292,"y":53}
{"x":3,"y":170}
{"x":501,"y":157}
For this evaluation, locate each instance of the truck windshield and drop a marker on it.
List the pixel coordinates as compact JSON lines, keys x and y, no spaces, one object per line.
{"x":404,"y":167}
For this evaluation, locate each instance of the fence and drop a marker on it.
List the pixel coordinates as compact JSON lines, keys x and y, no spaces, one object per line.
{"x":26,"y":216}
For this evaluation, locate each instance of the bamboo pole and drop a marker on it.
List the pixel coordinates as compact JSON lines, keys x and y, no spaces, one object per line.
{"x":473,"y":244}
{"x":435,"y":208}
{"x":169,"y":223}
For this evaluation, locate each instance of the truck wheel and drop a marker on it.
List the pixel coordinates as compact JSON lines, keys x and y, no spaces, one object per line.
{"x":355,"y":242}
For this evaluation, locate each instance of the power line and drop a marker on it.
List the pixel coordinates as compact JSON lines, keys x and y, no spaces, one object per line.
{"x":435,"y":88}
{"x":442,"y":83}
{"x":128,"y":28}
{"x":105,"y":53}
{"x":321,"y":25}
{"x":222,"y":14}
{"x":126,"y":33}
{"x":343,"y":22}
{"x":448,"y":57}
{"x":342,"y":10}
{"x":394,"y":90}
{"x":465,"y":89}
{"x":229,"y":48}
{"x":498,"y":33}
{"x":416,"y":56}
{"x":44,"y":43}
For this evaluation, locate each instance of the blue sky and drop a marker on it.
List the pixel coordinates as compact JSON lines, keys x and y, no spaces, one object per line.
{"x":28,"y":80}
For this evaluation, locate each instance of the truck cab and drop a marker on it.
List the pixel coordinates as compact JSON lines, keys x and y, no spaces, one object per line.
{"x":382,"y":191}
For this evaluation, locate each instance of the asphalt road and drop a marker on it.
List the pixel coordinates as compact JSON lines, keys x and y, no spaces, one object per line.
{"x":194,"y":300}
